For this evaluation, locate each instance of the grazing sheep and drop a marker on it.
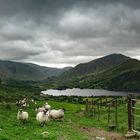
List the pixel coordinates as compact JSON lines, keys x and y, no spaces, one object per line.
{"x":25,"y":105}
{"x":39,"y":109}
{"x":22,"y":103}
{"x":42,"y":118}
{"x":22,"y":116}
{"x":47,"y":107}
{"x":56,"y":114}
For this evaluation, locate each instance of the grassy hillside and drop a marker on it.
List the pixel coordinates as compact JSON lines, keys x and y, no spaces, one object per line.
{"x":48,"y":70}
{"x":75,"y":126}
{"x":13,"y":93}
{"x":96,"y":65}
{"x":19,"y":71}
{"x":124,"y":77}
{"x":27,"y":71}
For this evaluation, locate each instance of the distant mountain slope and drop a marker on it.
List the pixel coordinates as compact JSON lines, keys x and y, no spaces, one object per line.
{"x":112,"y":72}
{"x":95,"y":65}
{"x":48,"y":70}
{"x":26,"y":71}
{"x":125,"y":76}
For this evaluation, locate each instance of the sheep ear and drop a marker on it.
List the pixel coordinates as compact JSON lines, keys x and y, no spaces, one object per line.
{"x":64,"y":109}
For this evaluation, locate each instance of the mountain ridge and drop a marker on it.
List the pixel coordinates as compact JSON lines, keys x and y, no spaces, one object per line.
{"x":95,"y":65}
{"x":124,"y":75}
{"x":26,"y":71}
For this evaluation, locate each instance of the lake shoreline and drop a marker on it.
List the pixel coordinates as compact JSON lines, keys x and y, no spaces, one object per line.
{"x":87,"y":92}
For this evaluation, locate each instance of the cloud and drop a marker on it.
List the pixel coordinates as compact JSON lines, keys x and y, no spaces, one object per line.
{"x":61,"y":33}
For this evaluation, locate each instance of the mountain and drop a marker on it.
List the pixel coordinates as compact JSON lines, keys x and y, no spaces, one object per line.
{"x":112,"y":72}
{"x":49,"y":70}
{"x":125,"y":76}
{"x":27,"y":71}
{"x":96,"y":65}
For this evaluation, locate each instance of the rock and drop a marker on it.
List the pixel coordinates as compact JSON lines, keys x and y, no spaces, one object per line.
{"x":100,"y":138}
{"x":130,"y":134}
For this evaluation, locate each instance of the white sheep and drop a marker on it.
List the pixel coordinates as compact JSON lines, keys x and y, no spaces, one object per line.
{"x":56,"y":114}
{"x":42,"y":118}
{"x":39,"y":109}
{"x":47,"y":107}
{"x":22,"y":103}
{"x":22,"y":116}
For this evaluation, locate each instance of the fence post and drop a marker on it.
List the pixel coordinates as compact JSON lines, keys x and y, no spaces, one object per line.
{"x":129,"y":112}
{"x":94,"y":109}
{"x":98,"y":104}
{"x":108,"y":113}
{"x":92,"y":102}
{"x":133,"y":112}
{"x":86,"y":105}
{"x":116,"y":113}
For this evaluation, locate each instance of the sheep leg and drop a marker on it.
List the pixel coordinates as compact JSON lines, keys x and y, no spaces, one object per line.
{"x":42,"y":124}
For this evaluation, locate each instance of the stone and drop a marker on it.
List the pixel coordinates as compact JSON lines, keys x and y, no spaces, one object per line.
{"x":130,"y":134}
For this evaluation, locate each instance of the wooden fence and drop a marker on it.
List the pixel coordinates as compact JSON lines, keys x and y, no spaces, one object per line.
{"x":107,"y":106}
{"x":133,"y":114}
{"x":97,"y":107}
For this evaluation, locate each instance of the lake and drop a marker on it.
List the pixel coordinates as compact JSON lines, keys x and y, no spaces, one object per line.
{"x":86,"y":92}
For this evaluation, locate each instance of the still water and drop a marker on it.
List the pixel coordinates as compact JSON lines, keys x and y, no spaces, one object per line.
{"x":86,"y":92}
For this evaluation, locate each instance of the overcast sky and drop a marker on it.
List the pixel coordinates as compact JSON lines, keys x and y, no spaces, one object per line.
{"x":60,"y":33}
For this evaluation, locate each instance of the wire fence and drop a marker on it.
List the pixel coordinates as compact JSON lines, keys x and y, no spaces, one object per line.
{"x":135,"y":113}
{"x":109,"y":107}
{"x":105,"y":108}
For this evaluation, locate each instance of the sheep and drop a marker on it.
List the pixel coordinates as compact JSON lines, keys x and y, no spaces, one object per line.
{"x":24,"y":100}
{"x":47,"y":107}
{"x":39,"y":109}
{"x":42,"y":118}
{"x":22,"y":116}
{"x":22,"y":103}
{"x":56,"y":114}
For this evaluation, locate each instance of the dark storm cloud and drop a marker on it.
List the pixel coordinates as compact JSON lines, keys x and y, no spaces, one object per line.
{"x":68,"y":32}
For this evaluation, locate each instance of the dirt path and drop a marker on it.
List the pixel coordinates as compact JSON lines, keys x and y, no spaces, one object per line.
{"x":95,"y":133}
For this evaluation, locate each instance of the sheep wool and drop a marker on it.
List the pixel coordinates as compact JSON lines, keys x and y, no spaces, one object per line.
{"x":41,"y":117}
{"x":56,"y":114}
{"x":47,"y":107}
{"x":22,"y":116}
{"x":39,"y":109}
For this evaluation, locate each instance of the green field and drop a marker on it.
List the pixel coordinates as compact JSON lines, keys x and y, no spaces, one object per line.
{"x":71,"y":128}
{"x":77,"y":124}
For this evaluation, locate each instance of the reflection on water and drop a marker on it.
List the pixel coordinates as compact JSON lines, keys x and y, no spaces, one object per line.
{"x":86,"y":92}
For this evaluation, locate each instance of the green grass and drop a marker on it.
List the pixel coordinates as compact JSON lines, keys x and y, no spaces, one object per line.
{"x":11,"y":129}
{"x":68,"y":129}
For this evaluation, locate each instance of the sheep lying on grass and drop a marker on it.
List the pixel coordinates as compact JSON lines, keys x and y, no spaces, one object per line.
{"x":22,"y":116}
{"x":42,"y":118}
{"x":56,"y":114}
